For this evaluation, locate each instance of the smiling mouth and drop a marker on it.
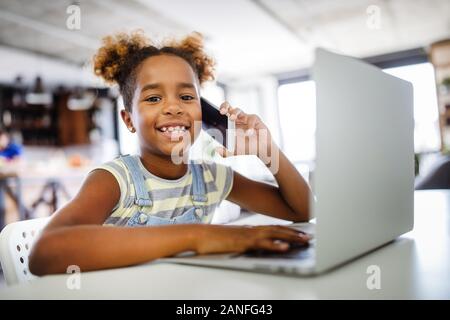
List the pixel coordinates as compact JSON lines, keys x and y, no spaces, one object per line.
{"x":174,"y":129}
{"x":174,"y":133}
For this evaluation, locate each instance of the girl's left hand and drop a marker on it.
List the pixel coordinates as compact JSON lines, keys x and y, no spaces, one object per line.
{"x":252,"y":135}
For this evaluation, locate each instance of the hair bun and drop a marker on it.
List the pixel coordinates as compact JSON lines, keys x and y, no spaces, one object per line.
{"x":193,"y":44}
{"x":113,"y":55}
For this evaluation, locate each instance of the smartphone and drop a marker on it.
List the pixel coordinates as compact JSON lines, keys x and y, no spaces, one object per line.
{"x":212,"y":119}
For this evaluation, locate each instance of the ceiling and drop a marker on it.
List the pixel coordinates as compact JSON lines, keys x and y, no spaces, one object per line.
{"x":247,"y":37}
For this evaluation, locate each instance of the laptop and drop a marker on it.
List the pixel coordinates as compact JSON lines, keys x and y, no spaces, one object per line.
{"x":364,"y":172}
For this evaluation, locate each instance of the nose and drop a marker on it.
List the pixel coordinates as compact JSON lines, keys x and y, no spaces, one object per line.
{"x":172,"y":108}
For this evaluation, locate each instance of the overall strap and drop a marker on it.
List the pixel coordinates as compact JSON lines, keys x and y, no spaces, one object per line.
{"x":199,"y":196}
{"x":142,"y":197}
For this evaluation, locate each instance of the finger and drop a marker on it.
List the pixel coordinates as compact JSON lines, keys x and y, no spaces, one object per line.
{"x":288,"y":236}
{"x":298,"y":232}
{"x":224,"y":152}
{"x":280,"y":233}
{"x":282,"y":228}
{"x":241,"y":114}
{"x":271,"y":245}
{"x":229,"y":110}
{"x":241,"y":118}
{"x":234,"y":113}
{"x":224,"y":107}
{"x":298,"y":237}
{"x":286,"y":228}
{"x":252,"y":122}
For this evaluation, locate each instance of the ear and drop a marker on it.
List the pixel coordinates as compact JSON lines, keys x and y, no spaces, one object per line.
{"x":126,"y":117}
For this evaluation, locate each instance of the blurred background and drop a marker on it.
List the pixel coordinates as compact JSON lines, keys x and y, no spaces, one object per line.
{"x":61,"y":121}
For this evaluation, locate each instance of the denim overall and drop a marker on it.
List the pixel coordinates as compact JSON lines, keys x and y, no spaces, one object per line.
{"x":143,"y":197}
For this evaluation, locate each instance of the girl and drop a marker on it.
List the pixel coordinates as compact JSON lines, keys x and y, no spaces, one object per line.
{"x":160,"y":87}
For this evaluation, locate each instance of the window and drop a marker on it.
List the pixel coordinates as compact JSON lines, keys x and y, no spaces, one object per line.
{"x":297,"y":110}
{"x":426,"y":115}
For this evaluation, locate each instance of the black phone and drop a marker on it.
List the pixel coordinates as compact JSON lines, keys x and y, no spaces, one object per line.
{"x":213,"y":119}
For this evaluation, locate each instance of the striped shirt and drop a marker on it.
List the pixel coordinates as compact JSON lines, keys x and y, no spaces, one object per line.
{"x":171,"y":198}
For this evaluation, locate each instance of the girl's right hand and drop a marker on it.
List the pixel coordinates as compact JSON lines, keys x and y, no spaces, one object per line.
{"x":227,"y":239}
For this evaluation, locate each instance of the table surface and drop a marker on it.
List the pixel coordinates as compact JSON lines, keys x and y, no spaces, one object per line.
{"x":27,"y":170}
{"x":415,"y":266}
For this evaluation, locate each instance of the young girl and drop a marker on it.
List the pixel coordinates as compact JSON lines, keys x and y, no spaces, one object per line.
{"x":175,"y":201}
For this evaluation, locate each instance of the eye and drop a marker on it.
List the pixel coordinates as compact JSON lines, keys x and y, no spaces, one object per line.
{"x":153,"y":99}
{"x":187,"y":97}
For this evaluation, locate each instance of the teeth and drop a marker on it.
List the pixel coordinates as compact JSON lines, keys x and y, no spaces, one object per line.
{"x":178,"y":129}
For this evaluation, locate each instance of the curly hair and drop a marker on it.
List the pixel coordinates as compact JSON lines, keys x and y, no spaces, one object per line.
{"x":120,"y":56}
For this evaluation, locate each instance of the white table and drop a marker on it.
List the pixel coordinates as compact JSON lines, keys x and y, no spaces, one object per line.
{"x":415,"y":266}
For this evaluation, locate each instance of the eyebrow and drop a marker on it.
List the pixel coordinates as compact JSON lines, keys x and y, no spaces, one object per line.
{"x":151,"y":86}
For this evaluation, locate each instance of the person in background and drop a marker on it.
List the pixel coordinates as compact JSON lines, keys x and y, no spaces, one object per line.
{"x":8,"y":149}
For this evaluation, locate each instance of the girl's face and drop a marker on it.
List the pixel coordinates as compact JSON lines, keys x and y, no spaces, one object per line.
{"x":166,"y":104}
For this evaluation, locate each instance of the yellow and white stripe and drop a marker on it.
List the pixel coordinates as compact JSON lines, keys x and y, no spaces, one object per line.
{"x":170,"y":197}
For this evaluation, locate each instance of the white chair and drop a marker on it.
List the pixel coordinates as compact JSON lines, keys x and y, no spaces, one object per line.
{"x":16,"y":240}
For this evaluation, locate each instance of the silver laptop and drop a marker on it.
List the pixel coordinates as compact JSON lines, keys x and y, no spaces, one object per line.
{"x":364,"y":174}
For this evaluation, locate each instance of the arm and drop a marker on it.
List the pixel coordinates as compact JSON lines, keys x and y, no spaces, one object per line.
{"x":75,"y":235}
{"x":293,"y":188}
{"x":290,"y":201}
